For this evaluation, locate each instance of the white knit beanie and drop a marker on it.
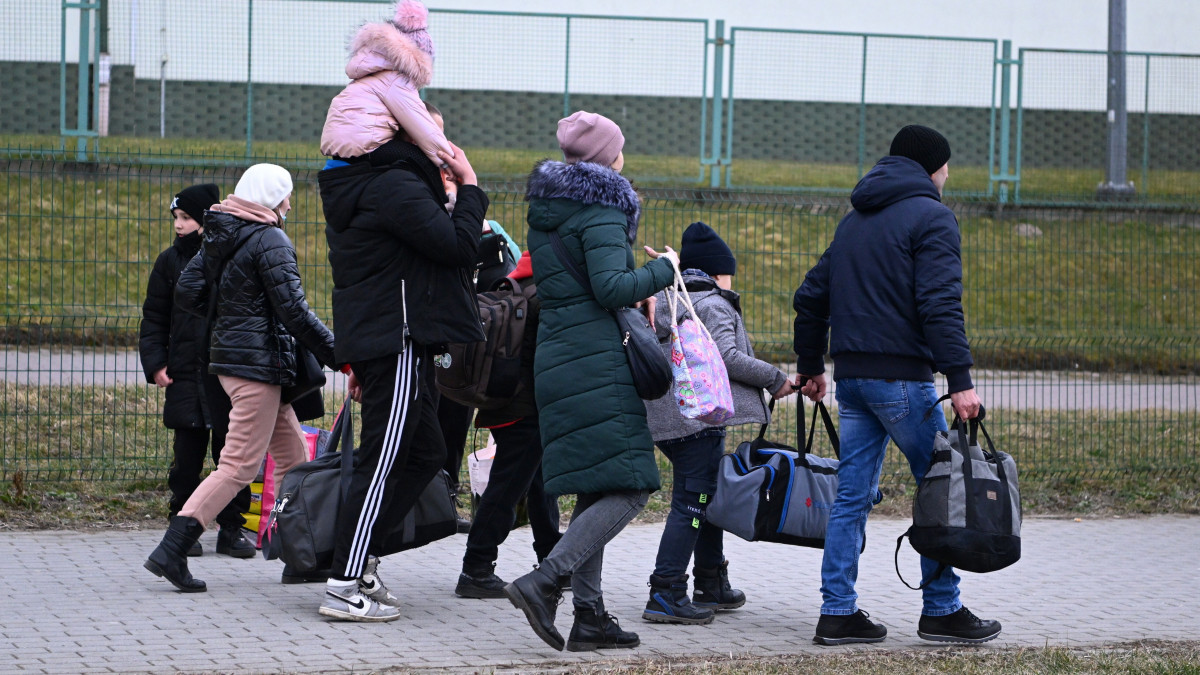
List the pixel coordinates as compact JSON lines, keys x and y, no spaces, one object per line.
{"x":265,"y":184}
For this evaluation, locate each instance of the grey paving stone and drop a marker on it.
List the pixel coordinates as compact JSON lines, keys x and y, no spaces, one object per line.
{"x":1072,"y":588}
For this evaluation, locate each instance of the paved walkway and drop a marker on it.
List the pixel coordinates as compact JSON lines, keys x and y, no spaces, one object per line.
{"x":80,"y":602}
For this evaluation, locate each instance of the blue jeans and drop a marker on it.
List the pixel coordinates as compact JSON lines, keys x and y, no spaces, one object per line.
{"x":694,"y":462}
{"x":871,"y":412}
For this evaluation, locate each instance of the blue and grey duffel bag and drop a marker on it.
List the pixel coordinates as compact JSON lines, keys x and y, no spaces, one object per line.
{"x":769,"y":491}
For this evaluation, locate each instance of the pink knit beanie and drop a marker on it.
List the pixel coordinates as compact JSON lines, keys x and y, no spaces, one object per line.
{"x":413,"y":19}
{"x":588,"y":137}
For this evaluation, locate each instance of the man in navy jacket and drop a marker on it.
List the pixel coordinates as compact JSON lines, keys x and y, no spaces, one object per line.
{"x":886,"y":297}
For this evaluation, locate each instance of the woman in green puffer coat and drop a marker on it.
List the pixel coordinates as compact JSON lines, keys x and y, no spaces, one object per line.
{"x":593,"y":425}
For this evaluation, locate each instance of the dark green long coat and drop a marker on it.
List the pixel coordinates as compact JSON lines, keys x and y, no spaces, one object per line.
{"x":593,"y":424}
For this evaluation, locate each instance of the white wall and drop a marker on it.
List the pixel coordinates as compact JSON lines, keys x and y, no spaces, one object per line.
{"x":1153,"y":25}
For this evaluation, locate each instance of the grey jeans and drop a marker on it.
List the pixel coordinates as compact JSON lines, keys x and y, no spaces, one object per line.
{"x":597,"y":518}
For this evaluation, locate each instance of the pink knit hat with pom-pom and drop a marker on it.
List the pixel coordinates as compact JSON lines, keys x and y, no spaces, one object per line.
{"x":412,"y":18}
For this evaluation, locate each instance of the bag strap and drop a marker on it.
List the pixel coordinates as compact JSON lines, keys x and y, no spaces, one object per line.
{"x":560,"y":250}
{"x":829,"y":428}
{"x":678,"y":291}
{"x":342,"y":434}
{"x":941,"y":569}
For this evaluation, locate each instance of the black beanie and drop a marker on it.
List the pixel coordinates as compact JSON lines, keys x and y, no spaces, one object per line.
{"x":195,"y":200}
{"x":703,"y":249}
{"x":923,"y":145}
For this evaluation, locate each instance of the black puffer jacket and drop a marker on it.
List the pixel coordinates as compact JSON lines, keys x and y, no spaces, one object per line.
{"x":260,"y":305}
{"x":397,"y":255}
{"x":173,"y":339}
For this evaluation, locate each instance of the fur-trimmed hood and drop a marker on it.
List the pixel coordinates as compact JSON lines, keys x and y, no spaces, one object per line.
{"x":383,"y":46}
{"x":588,"y":184}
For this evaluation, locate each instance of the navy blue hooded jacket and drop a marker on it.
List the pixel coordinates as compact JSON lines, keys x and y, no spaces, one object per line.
{"x":887,"y":293}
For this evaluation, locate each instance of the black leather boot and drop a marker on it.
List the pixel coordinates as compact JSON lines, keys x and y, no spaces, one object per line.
{"x":538,"y":596}
{"x":713,"y":590}
{"x":169,"y":560}
{"x":596,"y":629}
{"x":230,"y":542}
{"x":669,"y":602}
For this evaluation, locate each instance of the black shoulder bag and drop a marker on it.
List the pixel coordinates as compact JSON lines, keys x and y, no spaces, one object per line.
{"x":648,"y":364}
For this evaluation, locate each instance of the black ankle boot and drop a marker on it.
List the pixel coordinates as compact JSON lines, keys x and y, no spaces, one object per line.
{"x":538,"y":596}
{"x":597,"y":629}
{"x":230,"y":542}
{"x":713,"y":590}
{"x":669,"y":602}
{"x":169,"y":560}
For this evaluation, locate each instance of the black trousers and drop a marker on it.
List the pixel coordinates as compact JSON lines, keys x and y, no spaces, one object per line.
{"x":455,"y":422}
{"x":516,"y":470}
{"x":400,"y":451}
{"x":190,"y":449}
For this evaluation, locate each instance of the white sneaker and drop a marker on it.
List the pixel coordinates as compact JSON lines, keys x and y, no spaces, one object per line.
{"x":372,"y":586}
{"x":351,"y":605}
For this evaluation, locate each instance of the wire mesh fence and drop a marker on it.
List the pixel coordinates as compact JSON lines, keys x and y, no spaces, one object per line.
{"x":1083,"y":323}
{"x":1063,"y":134}
{"x":830,"y":113}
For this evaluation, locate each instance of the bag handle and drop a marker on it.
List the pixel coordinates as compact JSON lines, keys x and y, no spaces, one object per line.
{"x":342,"y":434}
{"x":678,"y":290}
{"x":829,"y":428}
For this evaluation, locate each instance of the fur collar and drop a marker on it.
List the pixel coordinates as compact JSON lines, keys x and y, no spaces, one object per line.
{"x":587,"y":183}
{"x":382,"y":46}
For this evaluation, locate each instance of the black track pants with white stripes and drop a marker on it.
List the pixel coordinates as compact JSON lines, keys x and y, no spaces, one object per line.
{"x":400,"y":452}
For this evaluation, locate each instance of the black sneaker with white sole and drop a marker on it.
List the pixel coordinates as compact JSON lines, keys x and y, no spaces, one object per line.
{"x":844,"y":629}
{"x":961,"y":627}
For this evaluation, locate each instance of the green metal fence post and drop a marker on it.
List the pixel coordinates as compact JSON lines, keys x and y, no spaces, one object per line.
{"x":1020,"y":122}
{"x":729,"y":113}
{"x":249,"y":79}
{"x":862,"y":111}
{"x":718,"y":100}
{"x":1005,"y":85}
{"x":567,"y":73}
{"x":83,"y":104}
{"x":1146,"y":131}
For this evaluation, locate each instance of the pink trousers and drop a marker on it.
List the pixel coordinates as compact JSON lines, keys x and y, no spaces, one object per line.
{"x":258,"y":424}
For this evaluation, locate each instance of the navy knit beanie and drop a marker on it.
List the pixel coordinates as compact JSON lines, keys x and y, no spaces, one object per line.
{"x":195,"y":200}
{"x":703,"y":249}
{"x":923,"y":145}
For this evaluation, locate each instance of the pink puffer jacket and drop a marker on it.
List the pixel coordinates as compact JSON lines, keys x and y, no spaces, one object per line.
{"x":388,"y":69}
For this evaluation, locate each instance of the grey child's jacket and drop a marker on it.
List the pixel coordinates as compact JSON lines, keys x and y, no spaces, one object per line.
{"x":720,"y":311}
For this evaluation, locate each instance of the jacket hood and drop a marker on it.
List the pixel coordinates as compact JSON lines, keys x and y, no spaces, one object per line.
{"x":382,"y":46}
{"x":224,"y":232}
{"x":892,"y":179}
{"x":341,"y":190}
{"x":585,"y":184}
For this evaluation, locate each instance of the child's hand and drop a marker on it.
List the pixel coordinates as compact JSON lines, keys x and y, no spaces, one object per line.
{"x":459,"y":166}
{"x":162,"y":379}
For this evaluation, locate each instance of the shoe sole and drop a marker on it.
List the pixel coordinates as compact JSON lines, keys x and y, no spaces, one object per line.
{"x":236,"y":554}
{"x":718,"y":607}
{"x":658,"y":617}
{"x":956,"y":639}
{"x":338,"y":614}
{"x":479,"y":593}
{"x":159,"y":572}
{"x":288,"y":579}
{"x":514,"y":596}
{"x":593,"y":646}
{"x":833,"y":642}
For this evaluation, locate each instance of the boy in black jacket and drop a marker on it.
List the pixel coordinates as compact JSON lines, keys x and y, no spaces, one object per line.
{"x":172,"y":348}
{"x":402,"y":291}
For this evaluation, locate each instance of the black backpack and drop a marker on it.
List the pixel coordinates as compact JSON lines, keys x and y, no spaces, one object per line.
{"x":487,"y":375}
{"x":493,"y":262}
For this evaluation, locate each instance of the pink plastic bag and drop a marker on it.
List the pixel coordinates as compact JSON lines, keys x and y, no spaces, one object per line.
{"x":701,"y":386}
